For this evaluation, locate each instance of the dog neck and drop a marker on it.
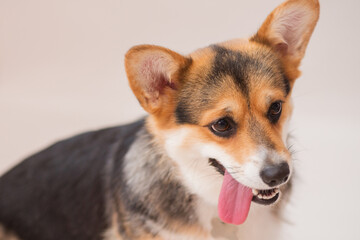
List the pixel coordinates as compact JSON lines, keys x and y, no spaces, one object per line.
{"x":147,"y":187}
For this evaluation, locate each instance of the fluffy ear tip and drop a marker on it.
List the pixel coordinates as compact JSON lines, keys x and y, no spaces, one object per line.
{"x":142,"y":49}
{"x":136,"y":53}
{"x":137,"y":48}
{"x":313,"y":4}
{"x":317,"y":7}
{"x":316,"y":3}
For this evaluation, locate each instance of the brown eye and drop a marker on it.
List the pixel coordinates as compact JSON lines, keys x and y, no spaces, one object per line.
{"x":223,"y":127}
{"x":275,"y":108}
{"x":274,"y":111}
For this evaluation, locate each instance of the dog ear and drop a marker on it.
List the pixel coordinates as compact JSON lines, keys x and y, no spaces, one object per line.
{"x":153,"y":74}
{"x":288,"y":29}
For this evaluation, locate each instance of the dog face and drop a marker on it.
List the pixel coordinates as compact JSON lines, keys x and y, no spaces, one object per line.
{"x":237,"y":108}
{"x":224,"y":108}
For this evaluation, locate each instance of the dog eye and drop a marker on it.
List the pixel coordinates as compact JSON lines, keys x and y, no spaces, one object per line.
{"x":223,"y":127}
{"x":274,"y":111}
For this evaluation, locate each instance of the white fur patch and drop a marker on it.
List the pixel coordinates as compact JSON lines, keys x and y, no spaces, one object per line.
{"x":192,"y":160}
{"x":203,"y":179}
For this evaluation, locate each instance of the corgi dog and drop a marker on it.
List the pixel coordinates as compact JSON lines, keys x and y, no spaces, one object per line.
{"x":210,"y":161}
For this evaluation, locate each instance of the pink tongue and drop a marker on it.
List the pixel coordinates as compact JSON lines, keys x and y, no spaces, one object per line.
{"x":234,"y":201}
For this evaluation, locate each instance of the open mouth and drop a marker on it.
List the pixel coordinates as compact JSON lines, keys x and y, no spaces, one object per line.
{"x":264,"y":197}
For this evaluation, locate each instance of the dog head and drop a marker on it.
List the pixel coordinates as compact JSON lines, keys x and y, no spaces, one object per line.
{"x":221,"y":112}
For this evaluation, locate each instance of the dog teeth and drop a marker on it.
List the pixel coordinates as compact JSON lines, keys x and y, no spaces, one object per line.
{"x":268,"y":196}
{"x":265,"y":194}
{"x":255,"y":192}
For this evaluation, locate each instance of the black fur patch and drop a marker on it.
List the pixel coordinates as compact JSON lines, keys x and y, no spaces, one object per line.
{"x":286,"y":84}
{"x":59,"y":193}
{"x":183,"y":113}
{"x":231,"y":63}
{"x":244,"y":68}
{"x":72,"y":189}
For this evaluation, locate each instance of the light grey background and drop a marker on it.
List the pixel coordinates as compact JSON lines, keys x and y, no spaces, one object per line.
{"x":61,"y":73}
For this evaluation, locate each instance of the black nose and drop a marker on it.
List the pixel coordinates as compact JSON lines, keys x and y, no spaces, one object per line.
{"x":274,"y":175}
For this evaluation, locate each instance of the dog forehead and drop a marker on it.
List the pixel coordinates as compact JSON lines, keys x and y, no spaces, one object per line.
{"x":239,"y":70}
{"x":248,"y":63}
{"x":249,"y":67}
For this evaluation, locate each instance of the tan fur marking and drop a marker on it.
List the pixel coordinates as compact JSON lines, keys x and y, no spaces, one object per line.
{"x":5,"y":235}
{"x":112,"y":232}
{"x":235,"y":44}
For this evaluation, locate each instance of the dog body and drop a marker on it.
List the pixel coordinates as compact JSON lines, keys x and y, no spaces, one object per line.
{"x":214,"y":141}
{"x":84,"y":188}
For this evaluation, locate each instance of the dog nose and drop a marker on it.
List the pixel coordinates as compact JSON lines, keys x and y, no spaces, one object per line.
{"x":274,"y":175}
